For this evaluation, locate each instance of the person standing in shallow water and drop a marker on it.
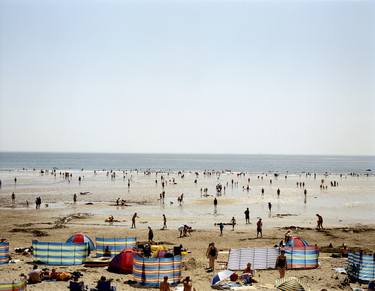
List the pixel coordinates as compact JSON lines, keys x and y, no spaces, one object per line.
{"x":13,"y":198}
{"x":233,"y":221}
{"x":133,"y":219}
{"x":164,"y":222}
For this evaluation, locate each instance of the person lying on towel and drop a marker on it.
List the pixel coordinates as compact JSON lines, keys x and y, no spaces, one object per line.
{"x":35,"y":276}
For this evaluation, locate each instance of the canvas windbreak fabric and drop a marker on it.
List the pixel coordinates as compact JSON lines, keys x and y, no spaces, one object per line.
{"x":14,"y":286}
{"x":260,"y":258}
{"x":114,"y":244}
{"x":151,"y":271}
{"x":361,"y":266}
{"x":56,"y":253}
{"x":4,"y":253}
{"x":302,"y":257}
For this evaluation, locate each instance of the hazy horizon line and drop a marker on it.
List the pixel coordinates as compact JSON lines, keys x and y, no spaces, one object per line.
{"x":184,"y":153}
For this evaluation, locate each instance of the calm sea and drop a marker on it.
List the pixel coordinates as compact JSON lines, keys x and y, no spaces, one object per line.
{"x":250,"y":163}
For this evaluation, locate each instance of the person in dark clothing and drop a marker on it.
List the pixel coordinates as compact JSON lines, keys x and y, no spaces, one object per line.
{"x":150,"y":234}
{"x":281,"y":264}
{"x":247,"y":215}
{"x":221,"y":226}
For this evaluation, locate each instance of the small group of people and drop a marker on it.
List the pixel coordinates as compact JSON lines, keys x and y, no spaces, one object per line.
{"x":185,"y":230}
{"x":103,"y":284}
{"x":38,"y":275}
{"x":187,"y":282}
{"x":38,"y":202}
{"x":319,"y":222}
{"x":121,"y":202}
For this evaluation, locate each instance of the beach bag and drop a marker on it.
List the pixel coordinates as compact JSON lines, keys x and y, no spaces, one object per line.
{"x":233,"y":277}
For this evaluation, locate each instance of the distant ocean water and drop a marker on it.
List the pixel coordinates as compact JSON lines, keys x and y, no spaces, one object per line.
{"x":250,"y":163}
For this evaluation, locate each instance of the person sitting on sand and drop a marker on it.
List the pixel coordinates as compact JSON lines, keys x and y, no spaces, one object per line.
{"x":104,"y":285}
{"x":371,"y":285}
{"x":35,"y":276}
{"x":248,"y":275}
{"x":75,"y":285}
{"x":164,"y":286}
{"x":107,"y":252}
{"x":344,"y":251}
{"x":110,"y":219}
{"x":188,"y":284}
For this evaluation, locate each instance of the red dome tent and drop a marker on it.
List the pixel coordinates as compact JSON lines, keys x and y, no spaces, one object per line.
{"x":81,"y":238}
{"x":123,"y":262}
{"x":296,"y":242}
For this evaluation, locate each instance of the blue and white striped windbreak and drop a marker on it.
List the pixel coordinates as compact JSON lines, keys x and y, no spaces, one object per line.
{"x":57,"y":253}
{"x":361,"y":266}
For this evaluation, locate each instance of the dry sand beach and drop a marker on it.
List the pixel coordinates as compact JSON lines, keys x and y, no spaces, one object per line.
{"x":347,"y":209}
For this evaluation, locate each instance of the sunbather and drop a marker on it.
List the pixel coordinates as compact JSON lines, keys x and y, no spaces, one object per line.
{"x":35,"y":276}
{"x":164,"y":286}
{"x":248,"y":275}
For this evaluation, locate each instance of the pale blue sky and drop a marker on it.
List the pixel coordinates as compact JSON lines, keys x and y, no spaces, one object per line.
{"x":287,"y":77}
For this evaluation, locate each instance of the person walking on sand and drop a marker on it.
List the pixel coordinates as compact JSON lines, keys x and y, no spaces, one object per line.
{"x":278,"y":192}
{"x":164,"y":286}
{"x":75,"y":198}
{"x":281,"y":264}
{"x":269,"y":206}
{"x":211,"y":254}
{"x":319,"y":222}
{"x":164,"y":222}
{"x":133,"y":219}
{"x":221,"y":227}
{"x":215,"y":202}
{"x":247,"y":216}
{"x":262,"y":191}
{"x":259,"y":228}
{"x":233,"y":222}
{"x":150,"y":234}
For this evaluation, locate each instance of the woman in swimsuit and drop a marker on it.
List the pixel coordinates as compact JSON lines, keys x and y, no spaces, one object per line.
{"x":281,"y":264}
